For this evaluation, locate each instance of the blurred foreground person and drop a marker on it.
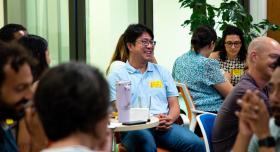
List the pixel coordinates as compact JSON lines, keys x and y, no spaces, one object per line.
{"x":72,"y":101}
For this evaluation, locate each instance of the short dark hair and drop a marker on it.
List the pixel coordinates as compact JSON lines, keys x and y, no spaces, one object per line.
{"x":7,"y":31}
{"x":202,"y":37}
{"x":71,"y":97}
{"x":37,"y":47}
{"x":232,"y":30}
{"x":15,"y":55}
{"x":134,"y":31}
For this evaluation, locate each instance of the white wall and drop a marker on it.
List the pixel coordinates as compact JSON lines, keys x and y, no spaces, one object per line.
{"x":104,"y":30}
{"x":1,"y":13}
{"x":172,"y":39}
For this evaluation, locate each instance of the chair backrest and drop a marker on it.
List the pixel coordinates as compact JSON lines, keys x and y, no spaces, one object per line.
{"x":185,"y":94}
{"x":206,"y":123}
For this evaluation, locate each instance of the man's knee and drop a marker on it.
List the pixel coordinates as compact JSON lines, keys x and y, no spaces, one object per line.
{"x":141,"y":140}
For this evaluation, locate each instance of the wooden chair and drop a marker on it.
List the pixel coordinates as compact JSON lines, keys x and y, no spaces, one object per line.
{"x":191,"y":110}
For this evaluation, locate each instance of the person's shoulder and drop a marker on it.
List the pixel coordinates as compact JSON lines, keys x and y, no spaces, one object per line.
{"x":74,"y":148}
{"x":117,"y":63}
{"x":215,"y":55}
{"x":117,"y":71}
{"x":238,"y":91}
{"x":181,"y":57}
{"x":115,"y":66}
{"x":182,"y":61}
{"x":209,"y":62}
{"x":245,"y":83}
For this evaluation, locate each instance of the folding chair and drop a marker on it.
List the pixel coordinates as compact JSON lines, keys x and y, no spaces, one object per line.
{"x":206,"y":123}
{"x":191,"y":111}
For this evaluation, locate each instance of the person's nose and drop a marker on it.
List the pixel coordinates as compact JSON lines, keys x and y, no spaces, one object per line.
{"x":233,"y":46}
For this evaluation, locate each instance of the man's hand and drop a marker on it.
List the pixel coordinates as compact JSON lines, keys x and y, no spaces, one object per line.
{"x":244,"y":125}
{"x":259,"y":116}
{"x":38,"y":138}
{"x":23,"y":139}
{"x":165,"y":122}
{"x":253,"y":117}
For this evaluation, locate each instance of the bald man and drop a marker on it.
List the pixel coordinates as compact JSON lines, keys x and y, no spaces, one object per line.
{"x":262,"y":55}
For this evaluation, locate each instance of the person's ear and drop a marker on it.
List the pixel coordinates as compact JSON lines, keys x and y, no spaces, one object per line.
{"x":130,"y":46}
{"x":211,"y":46}
{"x":253,"y":56}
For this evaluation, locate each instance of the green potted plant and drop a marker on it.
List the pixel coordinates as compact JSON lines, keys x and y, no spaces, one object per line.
{"x":230,"y":12}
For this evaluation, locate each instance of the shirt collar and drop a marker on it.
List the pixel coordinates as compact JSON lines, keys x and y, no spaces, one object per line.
{"x":131,"y":69}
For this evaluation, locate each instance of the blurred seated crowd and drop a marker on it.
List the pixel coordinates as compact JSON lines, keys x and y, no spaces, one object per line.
{"x":67,"y":107}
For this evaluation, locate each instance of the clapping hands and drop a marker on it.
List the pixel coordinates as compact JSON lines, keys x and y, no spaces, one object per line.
{"x":254,"y":116}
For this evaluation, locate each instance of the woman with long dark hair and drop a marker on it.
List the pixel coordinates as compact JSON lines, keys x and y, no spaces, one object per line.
{"x":231,"y":53}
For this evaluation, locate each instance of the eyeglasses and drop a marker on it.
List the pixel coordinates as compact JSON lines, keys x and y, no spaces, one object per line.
{"x":230,"y":44}
{"x":147,"y":42}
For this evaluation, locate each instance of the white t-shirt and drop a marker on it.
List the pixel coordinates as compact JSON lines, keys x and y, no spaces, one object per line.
{"x":74,"y":148}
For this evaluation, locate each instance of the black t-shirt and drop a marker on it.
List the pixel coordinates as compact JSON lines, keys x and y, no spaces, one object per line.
{"x":226,"y":124}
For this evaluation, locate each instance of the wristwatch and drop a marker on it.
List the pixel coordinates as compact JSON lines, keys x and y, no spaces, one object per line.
{"x":267,"y":142}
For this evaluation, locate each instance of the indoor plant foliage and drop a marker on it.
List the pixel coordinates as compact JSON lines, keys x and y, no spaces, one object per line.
{"x":229,"y":12}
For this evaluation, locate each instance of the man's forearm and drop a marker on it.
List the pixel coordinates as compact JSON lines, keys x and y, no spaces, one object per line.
{"x":241,"y":143}
{"x":174,"y":108}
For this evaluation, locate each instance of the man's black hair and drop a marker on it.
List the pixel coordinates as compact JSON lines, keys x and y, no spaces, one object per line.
{"x":8,"y":30}
{"x":15,"y":55}
{"x":70,"y":98}
{"x":37,"y":47}
{"x":134,"y":31}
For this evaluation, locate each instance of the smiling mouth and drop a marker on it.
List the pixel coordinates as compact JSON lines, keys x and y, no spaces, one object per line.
{"x":149,"y":52}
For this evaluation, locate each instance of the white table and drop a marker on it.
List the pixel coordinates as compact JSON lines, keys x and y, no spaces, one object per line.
{"x":119,"y":127}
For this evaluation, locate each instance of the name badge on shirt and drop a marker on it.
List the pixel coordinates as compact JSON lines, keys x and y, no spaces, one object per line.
{"x":237,"y":72}
{"x":156,"y":84}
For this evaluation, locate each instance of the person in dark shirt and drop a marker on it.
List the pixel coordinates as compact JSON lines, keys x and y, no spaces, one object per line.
{"x":15,"y":90}
{"x":258,"y":130}
{"x":262,"y":55}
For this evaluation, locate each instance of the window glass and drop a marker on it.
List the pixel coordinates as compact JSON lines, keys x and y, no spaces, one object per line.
{"x":46,"y":18}
{"x":103,"y":31}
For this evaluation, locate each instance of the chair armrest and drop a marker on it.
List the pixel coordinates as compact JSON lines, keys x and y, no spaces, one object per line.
{"x":199,"y":111}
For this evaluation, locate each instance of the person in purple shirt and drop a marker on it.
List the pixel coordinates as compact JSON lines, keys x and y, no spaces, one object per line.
{"x":262,"y":55}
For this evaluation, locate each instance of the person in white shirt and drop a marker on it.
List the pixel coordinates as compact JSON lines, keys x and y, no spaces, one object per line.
{"x":72,"y":101}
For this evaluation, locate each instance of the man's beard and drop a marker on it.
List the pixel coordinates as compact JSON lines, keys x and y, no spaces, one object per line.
{"x":11,"y":112}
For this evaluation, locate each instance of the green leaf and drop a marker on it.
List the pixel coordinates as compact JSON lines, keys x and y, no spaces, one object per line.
{"x":229,"y":12}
